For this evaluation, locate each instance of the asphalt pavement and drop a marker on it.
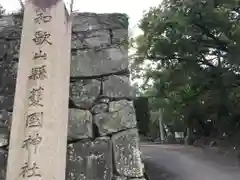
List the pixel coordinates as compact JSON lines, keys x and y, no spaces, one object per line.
{"x":177,"y":162}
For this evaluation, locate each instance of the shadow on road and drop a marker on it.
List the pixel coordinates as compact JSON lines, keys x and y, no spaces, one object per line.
{"x":155,"y":173}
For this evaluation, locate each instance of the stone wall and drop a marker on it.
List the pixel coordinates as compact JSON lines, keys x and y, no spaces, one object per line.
{"x":10,"y":33}
{"x":103,"y":140}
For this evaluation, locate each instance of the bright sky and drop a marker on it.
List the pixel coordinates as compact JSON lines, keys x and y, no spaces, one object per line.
{"x":134,"y":8}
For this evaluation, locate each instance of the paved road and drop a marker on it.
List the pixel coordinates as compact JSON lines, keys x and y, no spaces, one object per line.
{"x":175,"y":162}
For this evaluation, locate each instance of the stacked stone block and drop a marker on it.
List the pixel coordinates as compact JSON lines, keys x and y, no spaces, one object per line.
{"x":10,"y":34}
{"x":103,"y":141}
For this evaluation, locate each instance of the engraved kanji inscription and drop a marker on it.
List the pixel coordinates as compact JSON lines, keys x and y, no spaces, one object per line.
{"x":36,"y":96}
{"x":34,"y":120}
{"x":31,"y":171}
{"x":41,"y":17}
{"x":40,"y":55}
{"x":42,"y":37}
{"x":33,"y":140}
{"x":38,"y":73}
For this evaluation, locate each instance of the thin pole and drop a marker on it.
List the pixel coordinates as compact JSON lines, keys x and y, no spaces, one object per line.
{"x":161,"y":126}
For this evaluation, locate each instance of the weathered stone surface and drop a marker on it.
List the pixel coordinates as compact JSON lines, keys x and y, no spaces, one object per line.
{"x":99,"y":44}
{"x":80,"y":124}
{"x":90,"y":160}
{"x":90,"y":39}
{"x":9,"y":50}
{"x":102,"y":105}
{"x":5,"y":116}
{"x":98,"y":24}
{"x":4,"y":135}
{"x":6,"y":21}
{"x":6,"y":102}
{"x":13,"y":49}
{"x":53,"y":118}
{"x":5,"y":119}
{"x":117,"y":86}
{"x":8,"y":72}
{"x":85,"y":92}
{"x":121,"y":116}
{"x":95,"y":39}
{"x":93,"y":21}
{"x":92,"y":62}
{"x":125,"y":178}
{"x":100,"y":108}
{"x":127,"y":156}
{"x":104,"y":100}
{"x":119,"y":178}
{"x":3,"y":164}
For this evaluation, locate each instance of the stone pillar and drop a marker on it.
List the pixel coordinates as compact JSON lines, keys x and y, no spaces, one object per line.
{"x":38,"y":137}
{"x":103,"y":138}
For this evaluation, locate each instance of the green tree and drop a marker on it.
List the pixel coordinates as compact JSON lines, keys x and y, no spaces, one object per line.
{"x":196,"y":48}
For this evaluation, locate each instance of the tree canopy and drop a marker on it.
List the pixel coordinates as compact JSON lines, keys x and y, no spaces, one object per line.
{"x":195,"y":46}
